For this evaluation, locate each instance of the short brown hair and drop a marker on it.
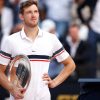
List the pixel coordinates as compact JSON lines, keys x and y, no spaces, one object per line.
{"x":26,"y":4}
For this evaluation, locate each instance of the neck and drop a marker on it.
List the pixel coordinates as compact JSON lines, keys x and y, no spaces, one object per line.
{"x":31,"y":32}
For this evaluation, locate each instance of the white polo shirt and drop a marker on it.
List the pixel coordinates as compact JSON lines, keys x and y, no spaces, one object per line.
{"x":45,"y":47}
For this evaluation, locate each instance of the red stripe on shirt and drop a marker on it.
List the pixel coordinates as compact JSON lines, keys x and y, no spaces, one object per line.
{"x":40,"y":60}
{"x":58,"y":54}
{"x":5,"y":56}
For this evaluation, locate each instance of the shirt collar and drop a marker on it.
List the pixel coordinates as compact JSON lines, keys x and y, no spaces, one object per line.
{"x":23,"y":35}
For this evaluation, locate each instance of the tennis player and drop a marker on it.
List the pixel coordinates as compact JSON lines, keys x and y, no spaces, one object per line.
{"x":40,"y":47}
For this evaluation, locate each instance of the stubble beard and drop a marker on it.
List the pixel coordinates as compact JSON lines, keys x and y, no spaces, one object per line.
{"x":31,"y":25}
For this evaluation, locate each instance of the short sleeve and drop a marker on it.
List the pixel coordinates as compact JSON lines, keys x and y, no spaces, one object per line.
{"x":58,"y":50}
{"x":5,"y":52}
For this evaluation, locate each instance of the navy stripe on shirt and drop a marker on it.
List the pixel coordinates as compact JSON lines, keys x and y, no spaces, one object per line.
{"x":38,"y":57}
{"x":5,"y":54}
{"x":58,"y":51}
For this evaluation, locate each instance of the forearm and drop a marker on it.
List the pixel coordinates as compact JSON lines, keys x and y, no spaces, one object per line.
{"x":4,"y":81}
{"x":69,"y":67}
{"x":64,"y":74}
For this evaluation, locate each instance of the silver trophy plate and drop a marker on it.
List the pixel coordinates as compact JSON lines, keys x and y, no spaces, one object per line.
{"x":18,"y":71}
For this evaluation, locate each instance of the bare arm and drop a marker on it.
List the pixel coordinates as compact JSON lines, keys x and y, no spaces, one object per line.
{"x":16,"y":92}
{"x":69,"y":67}
{"x":3,"y":79}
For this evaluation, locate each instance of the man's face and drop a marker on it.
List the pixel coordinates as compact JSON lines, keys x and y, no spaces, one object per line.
{"x":31,"y":16}
{"x":74,"y":33}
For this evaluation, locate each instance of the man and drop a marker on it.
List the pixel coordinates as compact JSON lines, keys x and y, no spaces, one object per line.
{"x":40,"y":47}
{"x":80,"y":52}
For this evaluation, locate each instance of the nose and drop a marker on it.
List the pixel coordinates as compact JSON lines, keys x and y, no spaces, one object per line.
{"x":32,"y":13}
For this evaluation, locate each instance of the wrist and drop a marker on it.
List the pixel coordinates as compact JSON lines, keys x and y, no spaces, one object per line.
{"x":52,"y":84}
{"x":10,"y":87}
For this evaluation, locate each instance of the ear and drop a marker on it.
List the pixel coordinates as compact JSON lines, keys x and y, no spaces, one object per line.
{"x":21,"y":17}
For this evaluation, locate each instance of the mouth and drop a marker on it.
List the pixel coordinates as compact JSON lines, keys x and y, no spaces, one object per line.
{"x":33,"y":19}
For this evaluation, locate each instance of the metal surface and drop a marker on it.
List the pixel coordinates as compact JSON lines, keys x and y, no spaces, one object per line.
{"x":19,"y":71}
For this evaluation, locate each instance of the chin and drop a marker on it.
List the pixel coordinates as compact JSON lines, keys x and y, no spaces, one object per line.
{"x":33,"y":25}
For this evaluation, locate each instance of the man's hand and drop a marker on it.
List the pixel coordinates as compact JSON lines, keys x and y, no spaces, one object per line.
{"x":48,"y":80}
{"x":17,"y":92}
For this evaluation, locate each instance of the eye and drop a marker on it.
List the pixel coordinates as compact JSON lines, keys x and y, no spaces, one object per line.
{"x":29,"y":12}
{"x":36,"y":11}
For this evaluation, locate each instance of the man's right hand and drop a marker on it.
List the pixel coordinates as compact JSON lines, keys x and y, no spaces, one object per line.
{"x":17,"y":92}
